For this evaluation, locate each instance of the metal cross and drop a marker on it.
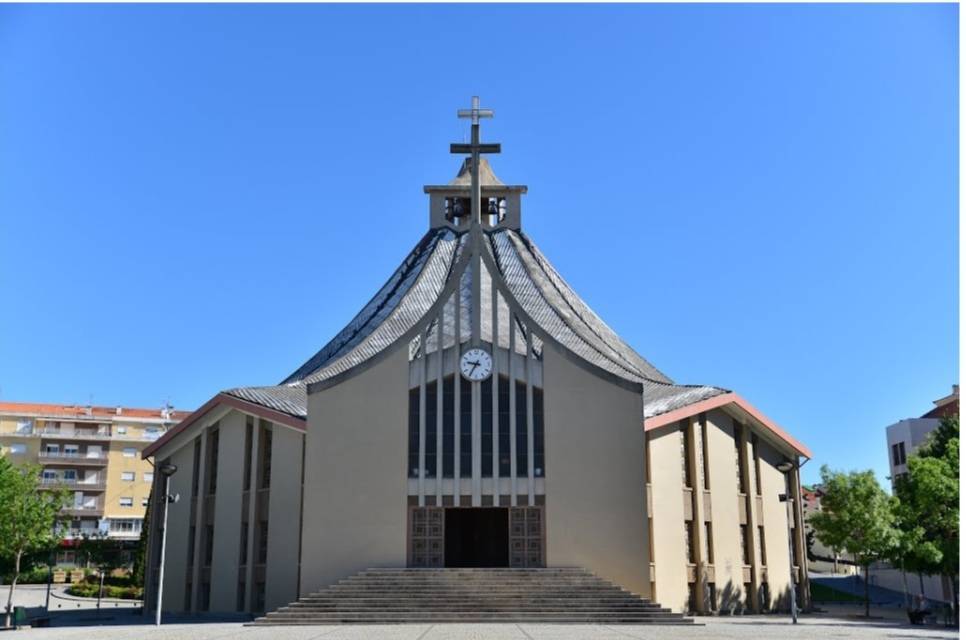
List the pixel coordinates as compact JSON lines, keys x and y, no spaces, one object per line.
{"x":475,"y":148}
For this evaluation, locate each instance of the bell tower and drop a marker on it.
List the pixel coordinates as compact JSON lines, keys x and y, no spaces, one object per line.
{"x":475,"y":193}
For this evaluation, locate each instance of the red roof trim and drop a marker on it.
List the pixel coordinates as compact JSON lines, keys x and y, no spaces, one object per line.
{"x":231,"y":401}
{"x":719,"y":401}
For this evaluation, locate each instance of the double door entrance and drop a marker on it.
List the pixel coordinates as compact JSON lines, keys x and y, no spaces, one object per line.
{"x":476,"y":537}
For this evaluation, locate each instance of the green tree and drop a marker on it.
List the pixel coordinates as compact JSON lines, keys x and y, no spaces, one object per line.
{"x":857,"y":516}
{"x":28,"y":519}
{"x":928,"y":510}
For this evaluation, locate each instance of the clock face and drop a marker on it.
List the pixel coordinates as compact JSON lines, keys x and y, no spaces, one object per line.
{"x":476,"y":364}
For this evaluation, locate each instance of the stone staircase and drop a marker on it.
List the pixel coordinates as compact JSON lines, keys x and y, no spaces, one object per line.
{"x":393,"y":596}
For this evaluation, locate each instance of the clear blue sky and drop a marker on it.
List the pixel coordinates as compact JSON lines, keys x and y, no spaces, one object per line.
{"x":759,"y":197}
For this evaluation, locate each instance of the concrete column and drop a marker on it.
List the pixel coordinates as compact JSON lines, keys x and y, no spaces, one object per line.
{"x":227,"y":516}
{"x":693,"y":442}
{"x":199,"y":522}
{"x":252,"y":514}
{"x":741,"y":432}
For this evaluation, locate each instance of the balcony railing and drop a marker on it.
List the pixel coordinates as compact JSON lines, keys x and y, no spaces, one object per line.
{"x":84,"y":509}
{"x":73,"y":457}
{"x":84,"y":434}
{"x":73,"y":483}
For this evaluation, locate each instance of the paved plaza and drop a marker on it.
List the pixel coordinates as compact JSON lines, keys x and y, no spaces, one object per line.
{"x":757,"y":628}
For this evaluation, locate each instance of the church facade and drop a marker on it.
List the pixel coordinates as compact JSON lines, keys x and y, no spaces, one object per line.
{"x":477,"y":413}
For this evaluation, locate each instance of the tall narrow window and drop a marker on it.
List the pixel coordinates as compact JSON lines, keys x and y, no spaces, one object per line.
{"x":685,"y":455}
{"x":448,"y":426}
{"x":249,"y":428}
{"x":740,"y":460}
{"x":689,"y":549}
{"x":705,"y":458}
{"x":212,"y":461}
{"x":761,"y":545}
{"x":486,"y":427}
{"x":430,"y":417}
{"x":754,"y":452}
{"x":466,"y":428}
{"x":267,"y":458}
{"x":708,"y":542}
{"x":521,"y":402}
{"x":414,"y":433}
{"x":195,"y":467}
{"x":262,"y":542}
{"x":243,"y":545}
{"x":902,"y":453}
{"x":209,"y":545}
{"x":745,"y":545}
{"x":539,"y":459}
{"x":504,"y":389}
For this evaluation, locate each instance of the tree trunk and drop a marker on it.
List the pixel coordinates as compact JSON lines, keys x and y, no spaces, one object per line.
{"x":13,"y":585}
{"x":866,"y":591}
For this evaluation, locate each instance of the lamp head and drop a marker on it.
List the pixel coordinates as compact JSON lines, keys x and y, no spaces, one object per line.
{"x":785,"y":466}
{"x":168,"y":469}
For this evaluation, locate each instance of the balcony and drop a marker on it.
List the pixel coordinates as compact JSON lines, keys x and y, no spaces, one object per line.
{"x":95,"y":508}
{"x":76,"y":434}
{"x":74,"y":457}
{"x":73,"y":484}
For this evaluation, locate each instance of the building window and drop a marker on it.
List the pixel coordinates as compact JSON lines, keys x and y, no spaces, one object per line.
{"x":486,"y":428}
{"x":212,"y":461}
{"x":17,"y":449}
{"x":740,"y":460}
{"x":240,"y":597}
{"x":127,"y":476}
{"x":126,"y":502}
{"x":430,"y":418}
{"x":121,"y":430}
{"x":745,"y":545}
{"x":195,"y":467}
{"x":243,"y":545}
{"x":705,"y":458}
{"x":262,"y":542}
{"x":754,"y":453}
{"x":448,"y":427}
{"x":149,"y":476}
{"x":708,"y":542}
{"x":191,"y":546}
{"x":712,"y":597}
{"x":503,"y":385}
{"x":127,"y":525}
{"x":689,"y":550}
{"x":521,"y":402}
{"x":761,"y":545}
{"x":413,"y":433}
{"x":267,"y":458}
{"x":685,"y":455}
{"x":130,"y":452}
{"x":209,"y":545}
{"x":152,"y":433}
{"x":539,"y":459}
{"x":249,"y":430}
{"x":25,"y":426}
{"x":899,"y":453}
{"x":144,"y":502}
{"x":466,"y":428}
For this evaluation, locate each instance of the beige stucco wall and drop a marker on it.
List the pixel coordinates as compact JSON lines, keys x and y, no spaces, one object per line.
{"x":595,"y":503}
{"x":728,"y":563}
{"x":355,"y":511}
{"x":670,"y":577}
{"x":228,"y":501}
{"x":284,"y":505}
{"x":179,"y":518}
{"x":776,"y":525}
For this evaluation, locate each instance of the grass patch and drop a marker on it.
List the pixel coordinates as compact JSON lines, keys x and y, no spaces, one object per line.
{"x":823,"y":593}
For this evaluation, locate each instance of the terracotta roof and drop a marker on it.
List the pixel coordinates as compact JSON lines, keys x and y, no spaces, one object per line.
{"x":83,"y":411}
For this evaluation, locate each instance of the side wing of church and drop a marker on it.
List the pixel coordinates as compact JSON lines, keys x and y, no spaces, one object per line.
{"x":477,"y":413}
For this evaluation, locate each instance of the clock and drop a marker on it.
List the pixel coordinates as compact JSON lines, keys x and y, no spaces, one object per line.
{"x":476,"y":364}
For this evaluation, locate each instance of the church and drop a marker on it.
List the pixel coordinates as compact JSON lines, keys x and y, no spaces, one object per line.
{"x":476,"y":413}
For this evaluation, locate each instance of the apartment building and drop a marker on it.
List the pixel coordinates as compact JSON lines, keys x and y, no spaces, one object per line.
{"x":93,"y":451}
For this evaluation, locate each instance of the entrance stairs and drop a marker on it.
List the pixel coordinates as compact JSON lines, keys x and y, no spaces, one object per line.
{"x":394,"y":596}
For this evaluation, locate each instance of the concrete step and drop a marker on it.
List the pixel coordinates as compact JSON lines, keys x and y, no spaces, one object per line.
{"x":388,"y":596}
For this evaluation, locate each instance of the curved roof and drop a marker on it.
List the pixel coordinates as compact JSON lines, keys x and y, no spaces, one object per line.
{"x":414,"y":288}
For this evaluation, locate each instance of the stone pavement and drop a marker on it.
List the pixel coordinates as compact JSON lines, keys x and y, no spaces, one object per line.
{"x":755,"y":627}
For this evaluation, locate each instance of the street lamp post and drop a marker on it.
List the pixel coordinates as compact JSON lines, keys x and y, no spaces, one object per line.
{"x":786,"y":467}
{"x":167,"y":470}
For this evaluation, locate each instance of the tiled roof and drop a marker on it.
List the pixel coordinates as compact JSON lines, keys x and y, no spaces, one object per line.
{"x":537,"y":287}
{"x":86,"y":412}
